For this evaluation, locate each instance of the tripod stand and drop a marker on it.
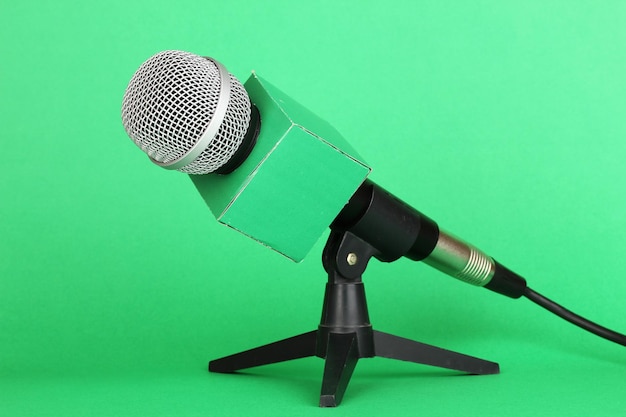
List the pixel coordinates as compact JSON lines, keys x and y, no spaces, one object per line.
{"x":345,"y":334}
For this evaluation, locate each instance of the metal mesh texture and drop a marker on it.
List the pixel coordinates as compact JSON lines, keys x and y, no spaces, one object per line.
{"x":169,"y":103}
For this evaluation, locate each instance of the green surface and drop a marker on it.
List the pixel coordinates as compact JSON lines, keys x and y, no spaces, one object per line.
{"x":503,"y":120}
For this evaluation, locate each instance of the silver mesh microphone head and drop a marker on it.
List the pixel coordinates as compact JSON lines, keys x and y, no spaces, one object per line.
{"x":186,"y":112}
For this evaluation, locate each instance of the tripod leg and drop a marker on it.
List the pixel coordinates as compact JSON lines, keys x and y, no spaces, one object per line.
{"x":296,"y":347}
{"x":341,"y":358}
{"x":395,"y":347}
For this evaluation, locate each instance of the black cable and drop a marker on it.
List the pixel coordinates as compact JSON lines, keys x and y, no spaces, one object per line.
{"x":574,"y":318}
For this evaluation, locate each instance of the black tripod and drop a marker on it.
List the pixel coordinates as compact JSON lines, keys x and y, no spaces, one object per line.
{"x":345,"y":334}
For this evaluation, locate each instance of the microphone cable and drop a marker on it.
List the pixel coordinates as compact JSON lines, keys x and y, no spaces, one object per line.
{"x":574,"y":318}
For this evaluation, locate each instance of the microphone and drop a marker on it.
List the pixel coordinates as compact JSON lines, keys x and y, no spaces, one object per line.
{"x":188,"y":113}
{"x":282,"y":183}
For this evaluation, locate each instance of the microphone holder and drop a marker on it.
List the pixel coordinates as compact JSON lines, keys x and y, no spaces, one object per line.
{"x":345,"y":333}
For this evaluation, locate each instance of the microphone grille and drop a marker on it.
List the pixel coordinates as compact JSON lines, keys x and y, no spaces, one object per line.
{"x":169,"y":104}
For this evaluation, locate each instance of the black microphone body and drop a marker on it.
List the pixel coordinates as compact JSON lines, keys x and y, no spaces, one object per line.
{"x":396,"y":229}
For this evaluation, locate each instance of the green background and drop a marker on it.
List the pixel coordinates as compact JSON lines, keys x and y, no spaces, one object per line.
{"x":504,"y":121}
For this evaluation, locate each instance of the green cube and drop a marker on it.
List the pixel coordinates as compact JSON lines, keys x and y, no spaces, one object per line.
{"x":298,"y":177}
